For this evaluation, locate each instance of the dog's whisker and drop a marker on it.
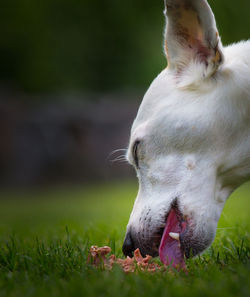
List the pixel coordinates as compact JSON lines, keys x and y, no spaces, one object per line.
{"x":117,"y":151}
{"x":121,"y":158}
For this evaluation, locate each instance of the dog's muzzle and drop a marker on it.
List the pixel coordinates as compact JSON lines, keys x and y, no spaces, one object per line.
{"x":128,"y":245}
{"x":160,"y":241}
{"x":147,"y":246}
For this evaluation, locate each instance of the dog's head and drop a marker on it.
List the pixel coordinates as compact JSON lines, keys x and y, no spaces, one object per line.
{"x":190,"y":141}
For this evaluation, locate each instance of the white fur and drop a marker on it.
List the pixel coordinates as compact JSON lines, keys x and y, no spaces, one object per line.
{"x":194,"y":134}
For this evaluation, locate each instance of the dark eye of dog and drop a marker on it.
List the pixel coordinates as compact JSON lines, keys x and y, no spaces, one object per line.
{"x":135,"y":153}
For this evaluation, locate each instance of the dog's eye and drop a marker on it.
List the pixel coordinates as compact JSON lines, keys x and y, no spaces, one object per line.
{"x":135,"y":153}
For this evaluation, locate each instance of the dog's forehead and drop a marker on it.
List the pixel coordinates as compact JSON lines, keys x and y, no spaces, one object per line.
{"x":170,"y":116}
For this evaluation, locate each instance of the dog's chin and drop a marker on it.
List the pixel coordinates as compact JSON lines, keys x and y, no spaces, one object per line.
{"x":193,"y":244}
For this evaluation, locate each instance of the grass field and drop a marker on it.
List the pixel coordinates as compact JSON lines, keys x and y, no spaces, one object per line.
{"x":45,"y":238}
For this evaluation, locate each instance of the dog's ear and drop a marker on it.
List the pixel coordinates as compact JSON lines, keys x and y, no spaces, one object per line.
{"x":192,"y":36}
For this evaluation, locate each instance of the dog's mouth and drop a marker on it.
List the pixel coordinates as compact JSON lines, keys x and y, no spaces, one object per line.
{"x":171,"y":251}
{"x":180,"y":239}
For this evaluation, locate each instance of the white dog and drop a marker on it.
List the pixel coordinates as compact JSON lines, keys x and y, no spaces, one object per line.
{"x":190,"y":141}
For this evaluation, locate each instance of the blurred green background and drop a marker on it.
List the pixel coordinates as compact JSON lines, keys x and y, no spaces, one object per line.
{"x":72,"y":76}
{"x":103,"y":208}
{"x":94,"y":46}
{"x":45,"y":237}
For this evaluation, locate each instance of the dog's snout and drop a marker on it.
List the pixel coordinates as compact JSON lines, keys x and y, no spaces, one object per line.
{"x":128,"y":245}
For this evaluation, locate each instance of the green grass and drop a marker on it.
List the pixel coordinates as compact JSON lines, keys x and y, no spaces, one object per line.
{"x":45,"y":237}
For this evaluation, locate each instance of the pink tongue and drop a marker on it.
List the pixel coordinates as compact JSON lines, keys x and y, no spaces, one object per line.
{"x":170,"y":251}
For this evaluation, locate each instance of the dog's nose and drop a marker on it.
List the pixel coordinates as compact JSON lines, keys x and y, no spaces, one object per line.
{"x":128,"y":245}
